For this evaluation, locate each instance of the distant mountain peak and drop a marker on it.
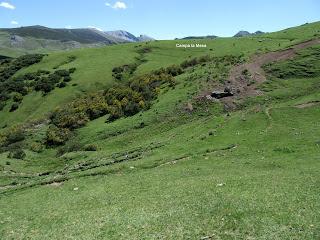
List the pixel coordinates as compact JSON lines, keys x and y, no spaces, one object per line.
{"x":89,"y":35}
{"x":145,"y":38}
{"x":128,"y":37}
{"x":199,"y":37}
{"x":243,"y":33}
{"x":124,"y":35}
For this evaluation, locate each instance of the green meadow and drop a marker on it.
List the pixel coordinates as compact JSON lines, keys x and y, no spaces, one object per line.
{"x":183,"y":168}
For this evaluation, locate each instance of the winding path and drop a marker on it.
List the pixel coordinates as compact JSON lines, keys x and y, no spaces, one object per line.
{"x":238,"y":81}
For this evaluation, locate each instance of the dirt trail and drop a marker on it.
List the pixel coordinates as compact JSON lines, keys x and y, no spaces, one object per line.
{"x":244,"y":78}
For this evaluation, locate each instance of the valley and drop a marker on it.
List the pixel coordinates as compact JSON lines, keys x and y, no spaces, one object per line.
{"x":128,"y":141}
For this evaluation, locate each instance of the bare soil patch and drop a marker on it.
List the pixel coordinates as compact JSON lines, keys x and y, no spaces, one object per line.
{"x":308,"y":104}
{"x":244,"y":78}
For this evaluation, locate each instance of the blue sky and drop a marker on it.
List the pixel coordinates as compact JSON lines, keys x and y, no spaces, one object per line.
{"x":162,"y":19}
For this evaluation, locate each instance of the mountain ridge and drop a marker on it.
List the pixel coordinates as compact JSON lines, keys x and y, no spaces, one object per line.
{"x":37,"y":38}
{"x":243,"y":33}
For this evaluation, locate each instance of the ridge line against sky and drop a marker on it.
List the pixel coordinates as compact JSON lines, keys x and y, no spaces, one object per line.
{"x":163,"y":19}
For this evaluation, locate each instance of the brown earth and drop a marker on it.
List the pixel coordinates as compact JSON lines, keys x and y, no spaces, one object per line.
{"x":308,"y":104}
{"x":244,"y":78}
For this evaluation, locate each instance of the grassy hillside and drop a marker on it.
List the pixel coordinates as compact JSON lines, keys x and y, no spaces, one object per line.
{"x":94,"y":65}
{"x":184,"y":168}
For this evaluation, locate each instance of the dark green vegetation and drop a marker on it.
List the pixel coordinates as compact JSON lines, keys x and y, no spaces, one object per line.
{"x":16,"y":87}
{"x":144,"y":157}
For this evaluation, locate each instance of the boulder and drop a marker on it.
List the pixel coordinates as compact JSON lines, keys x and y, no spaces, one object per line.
{"x":221,"y":94}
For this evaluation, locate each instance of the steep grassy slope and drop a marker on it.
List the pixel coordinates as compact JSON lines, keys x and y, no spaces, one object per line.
{"x":296,"y":33}
{"x":172,"y":172}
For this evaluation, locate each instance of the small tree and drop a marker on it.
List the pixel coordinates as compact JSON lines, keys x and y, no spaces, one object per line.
{"x":17,"y":154}
{"x":14,"y":107}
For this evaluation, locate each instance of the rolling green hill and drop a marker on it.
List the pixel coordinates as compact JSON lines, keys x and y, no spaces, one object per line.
{"x":126,"y":142}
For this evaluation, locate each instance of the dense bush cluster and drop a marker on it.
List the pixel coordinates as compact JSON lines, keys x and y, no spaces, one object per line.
{"x":73,"y":146}
{"x":203,"y":59}
{"x":12,"y":140}
{"x":17,"y":153}
{"x":124,"y":71}
{"x":8,"y":67}
{"x":8,"y":84}
{"x":42,"y":80}
{"x":125,"y":99}
{"x":47,"y":83}
{"x":11,"y":136}
{"x":143,"y":50}
{"x":19,"y":86}
{"x":57,"y":136}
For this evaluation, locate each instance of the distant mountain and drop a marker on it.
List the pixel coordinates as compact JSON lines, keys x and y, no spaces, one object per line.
{"x":17,"y":41}
{"x":258,"y":32}
{"x":199,"y":37}
{"x":123,"y":35}
{"x":145,"y":38}
{"x":246,"y":33}
{"x":128,"y":37}
{"x":242,"y":34}
{"x":84,"y":35}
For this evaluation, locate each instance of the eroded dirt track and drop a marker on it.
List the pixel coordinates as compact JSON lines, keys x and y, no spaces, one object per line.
{"x":244,"y":78}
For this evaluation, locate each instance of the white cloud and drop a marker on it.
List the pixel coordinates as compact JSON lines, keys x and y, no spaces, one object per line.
{"x":14,"y":22}
{"x":7,"y":5}
{"x":68,"y":27}
{"x":96,"y":28}
{"x":117,"y":5}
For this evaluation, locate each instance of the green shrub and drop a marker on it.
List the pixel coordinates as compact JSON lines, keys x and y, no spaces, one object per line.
{"x":43,"y":72}
{"x":189,"y":63}
{"x":204,"y":59}
{"x":17,"y":154}
{"x":90,"y":147}
{"x":62,"y":73}
{"x":2,"y":105}
{"x":69,"y":118}
{"x":15,"y":134}
{"x":36,"y":147}
{"x":61,"y":85}
{"x":4,"y":96}
{"x":17,"y":97}
{"x":144,"y":50}
{"x":174,"y":70}
{"x":72,"y":146}
{"x":67,"y":79}
{"x":14,"y":107}
{"x":72,"y":70}
{"x":11,"y":66}
{"x":57,"y":136}
{"x":3,"y":140}
{"x":124,"y":71}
